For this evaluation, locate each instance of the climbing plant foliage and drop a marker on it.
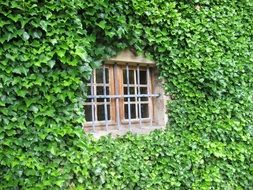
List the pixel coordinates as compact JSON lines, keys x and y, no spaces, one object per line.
{"x":204,"y":52}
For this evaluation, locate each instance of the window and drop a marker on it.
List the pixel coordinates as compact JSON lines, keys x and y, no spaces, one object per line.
{"x":121,"y":95}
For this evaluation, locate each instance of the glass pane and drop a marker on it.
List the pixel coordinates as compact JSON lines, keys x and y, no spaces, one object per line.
{"x":144,"y":90}
{"x":89,"y":90}
{"x":101,"y":112}
{"x":133,"y":111}
{"x":144,"y":111}
{"x":143,"y":77}
{"x":131,"y":91}
{"x":88,"y":113}
{"x":88,"y":94}
{"x":131,"y":76}
{"x":100,"y":91}
{"x":88,"y":99}
{"x":99,"y":75}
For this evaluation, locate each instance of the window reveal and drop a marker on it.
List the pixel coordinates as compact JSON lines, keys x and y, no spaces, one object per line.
{"x":119,"y":95}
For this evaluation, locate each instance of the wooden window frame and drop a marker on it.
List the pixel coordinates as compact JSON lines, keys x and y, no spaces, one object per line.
{"x":115,"y":72}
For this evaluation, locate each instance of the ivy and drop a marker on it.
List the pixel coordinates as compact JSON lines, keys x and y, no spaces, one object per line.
{"x":203,"y":50}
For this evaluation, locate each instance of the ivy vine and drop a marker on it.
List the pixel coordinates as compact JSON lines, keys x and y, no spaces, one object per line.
{"x":204,"y":53}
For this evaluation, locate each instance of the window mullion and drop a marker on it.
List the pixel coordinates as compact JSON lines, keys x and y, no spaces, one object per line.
{"x":139,"y":99}
{"x":95,"y":93}
{"x":149,"y":97}
{"x":105,"y":101}
{"x":128,"y":99}
{"x":115,"y":72}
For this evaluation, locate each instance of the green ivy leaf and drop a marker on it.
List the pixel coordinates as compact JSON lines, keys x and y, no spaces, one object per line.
{"x":51,"y":63}
{"x":26,"y":36}
{"x":43,"y":25}
{"x":102,"y":24}
{"x":21,"y":70}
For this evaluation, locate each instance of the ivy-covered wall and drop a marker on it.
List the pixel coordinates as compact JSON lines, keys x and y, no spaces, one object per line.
{"x":204,"y":51}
